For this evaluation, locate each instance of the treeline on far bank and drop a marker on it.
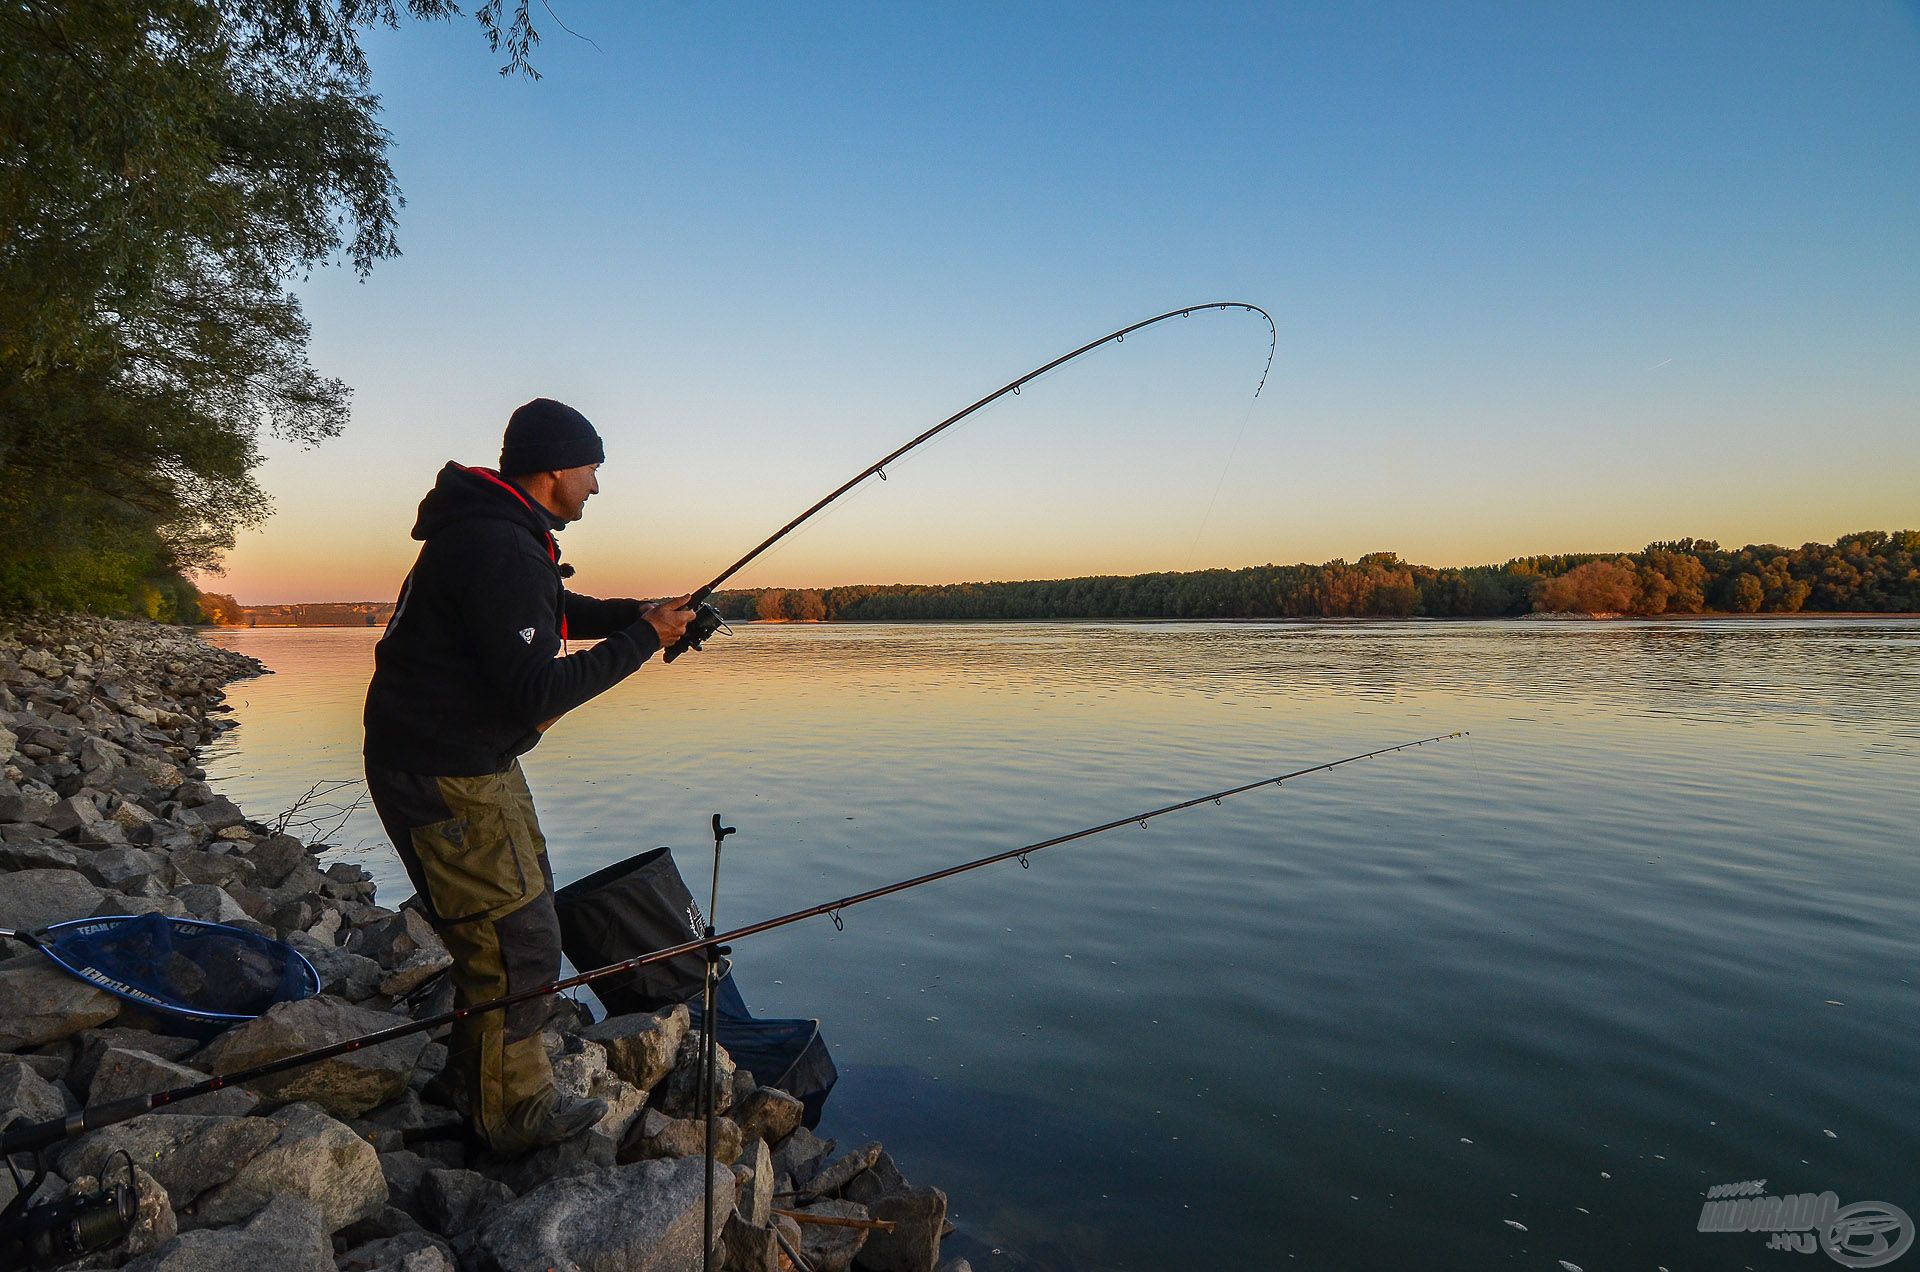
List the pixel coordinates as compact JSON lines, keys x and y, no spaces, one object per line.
{"x":1871,"y":571}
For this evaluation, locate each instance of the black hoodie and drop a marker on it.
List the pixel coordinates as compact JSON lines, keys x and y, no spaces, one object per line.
{"x":467,"y":670}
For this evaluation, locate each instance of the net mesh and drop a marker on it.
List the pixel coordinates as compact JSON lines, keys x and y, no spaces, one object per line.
{"x":183,"y":965}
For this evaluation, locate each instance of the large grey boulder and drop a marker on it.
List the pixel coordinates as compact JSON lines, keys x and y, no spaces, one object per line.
{"x":316,"y":1158}
{"x":641,"y":1048}
{"x":125,"y":1071}
{"x":32,"y":899}
{"x":188,"y":1154}
{"x":288,"y":1236}
{"x":646,"y":1217}
{"x":276,"y":857}
{"x":918,"y":1215}
{"x":347,"y":1085}
{"x":747,"y":1247}
{"x":40,"y":1003}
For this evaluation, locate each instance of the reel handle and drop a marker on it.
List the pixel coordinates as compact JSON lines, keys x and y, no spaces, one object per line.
{"x":706,"y":621}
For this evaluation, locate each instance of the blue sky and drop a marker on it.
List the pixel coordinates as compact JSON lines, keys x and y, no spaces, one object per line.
{"x":1547,"y":277}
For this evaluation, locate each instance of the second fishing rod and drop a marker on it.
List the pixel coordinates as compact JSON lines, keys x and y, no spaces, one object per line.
{"x":40,"y":1135}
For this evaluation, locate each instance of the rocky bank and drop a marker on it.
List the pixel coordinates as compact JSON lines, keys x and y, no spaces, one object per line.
{"x":346,"y":1165}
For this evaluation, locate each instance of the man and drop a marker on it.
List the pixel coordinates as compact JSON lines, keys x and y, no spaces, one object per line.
{"x":465,"y":680}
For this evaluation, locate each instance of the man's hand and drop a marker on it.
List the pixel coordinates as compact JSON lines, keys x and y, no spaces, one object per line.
{"x":670,"y":619}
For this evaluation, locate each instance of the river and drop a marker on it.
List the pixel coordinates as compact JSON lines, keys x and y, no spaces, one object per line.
{"x":1503,"y":1001}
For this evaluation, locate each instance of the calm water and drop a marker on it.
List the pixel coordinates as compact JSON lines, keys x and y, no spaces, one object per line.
{"x":1651,"y":928}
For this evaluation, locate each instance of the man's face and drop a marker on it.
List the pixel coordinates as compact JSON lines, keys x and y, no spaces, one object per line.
{"x":571,"y":489}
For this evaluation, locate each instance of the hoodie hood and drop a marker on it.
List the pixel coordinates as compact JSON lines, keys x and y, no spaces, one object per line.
{"x":460,"y":493}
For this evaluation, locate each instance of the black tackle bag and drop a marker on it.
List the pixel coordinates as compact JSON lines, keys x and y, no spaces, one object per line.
{"x":642,"y":904}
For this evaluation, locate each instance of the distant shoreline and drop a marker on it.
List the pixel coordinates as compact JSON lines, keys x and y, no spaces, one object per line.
{"x":1415,"y":618}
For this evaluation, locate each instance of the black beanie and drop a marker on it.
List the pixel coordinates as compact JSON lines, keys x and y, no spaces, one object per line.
{"x":544,"y":436}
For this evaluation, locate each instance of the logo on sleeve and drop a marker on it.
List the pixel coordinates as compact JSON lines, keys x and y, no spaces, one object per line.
{"x":526,"y":634}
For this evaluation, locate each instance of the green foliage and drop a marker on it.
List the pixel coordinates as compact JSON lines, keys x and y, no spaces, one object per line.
{"x":1871,"y":571}
{"x":166,"y":166}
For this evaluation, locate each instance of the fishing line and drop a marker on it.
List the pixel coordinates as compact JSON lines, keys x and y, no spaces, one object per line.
{"x":32,"y":1137}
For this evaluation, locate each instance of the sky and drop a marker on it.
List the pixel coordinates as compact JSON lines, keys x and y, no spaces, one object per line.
{"x":1569,"y":277}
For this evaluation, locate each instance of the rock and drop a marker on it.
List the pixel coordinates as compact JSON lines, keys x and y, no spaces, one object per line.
{"x":26,"y":1096}
{"x":656,"y":1135}
{"x":287,"y":1236}
{"x":342,"y":973}
{"x":154,"y":1223}
{"x":40,"y":1003}
{"x":89,"y":1046}
{"x":276,"y":857}
{"x":882,"y":1179}
{"x":641,"y":1047}
{"x":196,"y":865}
{"x":27,"y":805}
{"x":837,"y":1174}
{"x":830,"y":1247}
{"x":755,"y":1197}
{"x":956,"y":1265}
{"x":391,"y":941}
{"x":583,"y":1072}
{"x":116,"y":904}
{"x":582,"y":1155}
{"x":644,"y":1217}
{"x":918,"y":1215}
{"x":414,"y":972}
{"x":455,"y":1201}
{"x":21,"y":852}
{"x":388,"y":1221}
{"x":124,"y":1072}
{"x":78,"y":818}
{"x":124,"y":869}
{"x":683,"y":1084}
{"x":211,"y":902}
{"x":769,"y":1113}
{"x":219,"y":813}
{"x":748,"y":1247}
{"x":316,"y":1158}
{"x":188,"y":1154}
{"x":404,"y":1170}
{"x":347,"y":1085}
{"x":799,"y":1155}
{"x":411,"y":1252}
{"x":32,"y":899}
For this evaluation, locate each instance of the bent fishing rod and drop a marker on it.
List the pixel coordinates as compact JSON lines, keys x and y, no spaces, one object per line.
{"x":707,"y":619}
{"x":19,"y":1139}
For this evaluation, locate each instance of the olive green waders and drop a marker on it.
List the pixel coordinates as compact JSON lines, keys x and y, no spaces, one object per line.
{"x":474,"y":851}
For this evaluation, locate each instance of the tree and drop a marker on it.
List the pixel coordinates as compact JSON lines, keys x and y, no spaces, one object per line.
{"x":165,"y":167}
{"x":1746,"y":594}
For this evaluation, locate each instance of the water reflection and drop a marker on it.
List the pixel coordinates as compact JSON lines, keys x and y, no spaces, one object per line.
{"x":1566,"y":974}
